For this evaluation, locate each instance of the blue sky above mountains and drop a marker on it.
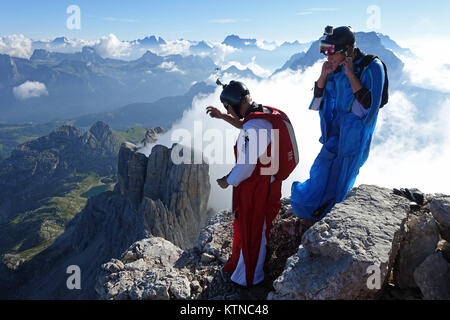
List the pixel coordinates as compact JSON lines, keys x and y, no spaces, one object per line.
{"x":214,"y":20}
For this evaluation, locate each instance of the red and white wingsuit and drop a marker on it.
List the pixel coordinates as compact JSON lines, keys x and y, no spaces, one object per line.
{"x":257,"y":194}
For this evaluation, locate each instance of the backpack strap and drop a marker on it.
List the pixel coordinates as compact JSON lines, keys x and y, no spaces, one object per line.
{"x":365,"y":61}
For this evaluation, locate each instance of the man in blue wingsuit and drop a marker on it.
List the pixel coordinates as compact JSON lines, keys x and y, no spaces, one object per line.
{"x":348,"y":106}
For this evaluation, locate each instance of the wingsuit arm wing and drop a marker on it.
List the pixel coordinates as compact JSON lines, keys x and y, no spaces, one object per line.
{"x":373,"y":80}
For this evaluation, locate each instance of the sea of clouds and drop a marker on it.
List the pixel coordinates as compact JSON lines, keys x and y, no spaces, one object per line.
{"x":407,"y":151}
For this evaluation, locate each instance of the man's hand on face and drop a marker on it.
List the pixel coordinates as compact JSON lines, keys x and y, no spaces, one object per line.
{"x":348,"y":66}
{"x":327,"y":68}
{"x":223,"y":182}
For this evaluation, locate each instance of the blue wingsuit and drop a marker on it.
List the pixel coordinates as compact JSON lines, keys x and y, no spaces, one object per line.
{"x":346,"y":138}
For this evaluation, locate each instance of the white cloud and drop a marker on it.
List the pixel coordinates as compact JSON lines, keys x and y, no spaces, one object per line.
{"x":222,"y":21}
{"x":170,"y":66}
{"x":111,"y":47}
{"x":253,"y":66}
{"x":175,"y":47}
{"x":16,"y":45}
{"x":314,"y":10}
{"x":410,"y":153}
{"x":30,"y":89}
{"x":270,"y":46}
{"x":69,"y":46}
{"x":430,"y":68}
{"x":220,"y":51}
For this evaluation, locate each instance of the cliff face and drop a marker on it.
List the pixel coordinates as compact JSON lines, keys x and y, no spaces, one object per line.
{"x":172,"y":198}
{"x":153,"y":197}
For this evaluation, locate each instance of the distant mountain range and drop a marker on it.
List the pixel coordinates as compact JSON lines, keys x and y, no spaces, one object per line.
{"x":163,"y":112}
{"x":59,"y":85}
{"x":53,"y":85}
{"x":270,"y":55}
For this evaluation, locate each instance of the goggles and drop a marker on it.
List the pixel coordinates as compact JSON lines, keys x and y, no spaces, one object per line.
{"x":327,"y":49}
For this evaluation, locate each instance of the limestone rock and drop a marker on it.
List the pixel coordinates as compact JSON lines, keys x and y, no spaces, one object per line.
{"x":152,"y":135}
{"x":420,"y":241}
{"x":145,"y":271}
{"x":131,"y":173}
{"x":338,"y":253}
{"x":154,"y":268}
{"x":440,"y":208}
{"x":180,"y":192}
{"x":433,"y":277}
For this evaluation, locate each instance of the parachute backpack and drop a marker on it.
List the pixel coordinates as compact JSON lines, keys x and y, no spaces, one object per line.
{"x":366,"y":60}
{"x":287,"y":143}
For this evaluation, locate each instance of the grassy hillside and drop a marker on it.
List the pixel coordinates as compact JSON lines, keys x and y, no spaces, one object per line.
{"x":33,"y":231}
{"x":134,"y":134}
{"x":11,"y":135}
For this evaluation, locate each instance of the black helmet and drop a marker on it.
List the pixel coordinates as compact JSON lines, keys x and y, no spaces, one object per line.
{"x":233,"y":95}
{"x":341,"y":39}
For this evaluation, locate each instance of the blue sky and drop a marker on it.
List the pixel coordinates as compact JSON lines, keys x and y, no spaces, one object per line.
{"x":213,"y":20}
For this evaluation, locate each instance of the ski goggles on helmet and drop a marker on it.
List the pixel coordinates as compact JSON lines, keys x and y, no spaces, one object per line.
{"x":327,"y":49}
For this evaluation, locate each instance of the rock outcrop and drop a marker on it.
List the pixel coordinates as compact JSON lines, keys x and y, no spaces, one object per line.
{"x":350,"y":254}
{"x":152,"y":135}
{"x":433,"y":277}
{"x":146,"y":271}
{"x":172,"y":198}
{"x":440,"y":208}
{"x":358,"y":237}
{"x":420,"y":241}
{"x":156,"y":269}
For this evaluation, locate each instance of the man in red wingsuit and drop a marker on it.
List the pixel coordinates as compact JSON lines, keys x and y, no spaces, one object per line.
{"x":256,"y":191}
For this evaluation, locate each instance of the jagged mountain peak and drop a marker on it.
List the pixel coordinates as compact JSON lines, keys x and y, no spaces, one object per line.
{"x":151,"y":41}
{"x":60,"y":40}
{"x":66,"y":130}
{"x":238,"y":42}
{"x":100,"y":129}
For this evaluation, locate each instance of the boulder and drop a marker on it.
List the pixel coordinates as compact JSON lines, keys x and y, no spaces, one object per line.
{"x":433,"y":277}
{"x":350,"y":253}
{"x":440,"y":208}
{"x":422,"y":236}
{"x":145,"y":271}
